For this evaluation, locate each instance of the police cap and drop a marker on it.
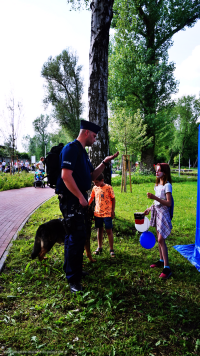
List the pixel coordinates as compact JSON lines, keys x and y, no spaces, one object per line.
{"x":88,"y":125}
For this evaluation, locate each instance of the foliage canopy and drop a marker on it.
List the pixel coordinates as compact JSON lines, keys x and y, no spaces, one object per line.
{"x":128,"y":131}
{"x":64,"y":89}
{"x":139,"y":70}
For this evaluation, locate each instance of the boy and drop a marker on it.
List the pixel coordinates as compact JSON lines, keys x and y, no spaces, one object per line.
{"x":104,"y":211}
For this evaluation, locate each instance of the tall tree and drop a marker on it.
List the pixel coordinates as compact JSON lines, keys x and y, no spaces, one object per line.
{"x":64,"y":90}
{"x":181,"y":135}
{"x":61,"y":135}
{"x":32,"y":146}
{"x":128,"y":131}
{"x":40,"y":125}
{"x":101,"y":17}
{"x":187,"y":111}
{"x":140,"y":72}
{"x":11,"y":122}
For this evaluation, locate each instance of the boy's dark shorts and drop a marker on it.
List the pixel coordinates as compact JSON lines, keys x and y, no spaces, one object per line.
{"x":107,"y":221}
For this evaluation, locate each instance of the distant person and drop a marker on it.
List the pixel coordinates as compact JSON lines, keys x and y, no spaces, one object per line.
{"x":7,"y":168}
{"x":160,"y":215}
{"x":27,"y":165}
{"x":19,"y":165}
{"x":22,"y":166}
{"x":104,"y":211}
{"x":40,"y":164}
{"x":0,"y":166}
{"x":3,"y":165}
{"x":15,"y":166}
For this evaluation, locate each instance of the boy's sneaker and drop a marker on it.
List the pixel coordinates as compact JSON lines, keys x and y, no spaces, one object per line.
{"x":157,"y":264}
{"x":166,"y":273}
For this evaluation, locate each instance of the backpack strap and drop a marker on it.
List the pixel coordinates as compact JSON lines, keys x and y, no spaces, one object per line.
{"x":172,"y":209}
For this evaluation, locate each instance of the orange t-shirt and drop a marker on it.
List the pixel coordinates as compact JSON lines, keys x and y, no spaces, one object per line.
{"x":103,"y":200}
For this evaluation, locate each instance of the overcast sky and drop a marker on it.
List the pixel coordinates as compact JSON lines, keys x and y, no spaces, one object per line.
{"x":33,"y":30}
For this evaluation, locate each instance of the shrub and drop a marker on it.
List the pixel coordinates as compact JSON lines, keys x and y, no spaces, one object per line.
{"x":15,"y":181}
{"x":139,"y":178}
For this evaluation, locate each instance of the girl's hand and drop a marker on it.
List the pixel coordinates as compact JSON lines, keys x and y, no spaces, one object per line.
{"x":147,"y":211}
{"x":151,"y":196}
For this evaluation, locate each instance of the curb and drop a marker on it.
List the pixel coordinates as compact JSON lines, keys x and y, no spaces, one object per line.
{"x":3,"y":258}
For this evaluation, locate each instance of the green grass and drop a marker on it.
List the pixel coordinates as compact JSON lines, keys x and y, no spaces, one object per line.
{"x":15,"y":181}
{"x":125,"y":309}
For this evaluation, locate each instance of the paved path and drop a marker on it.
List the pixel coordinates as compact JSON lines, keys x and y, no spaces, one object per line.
{"x":16,"y":205}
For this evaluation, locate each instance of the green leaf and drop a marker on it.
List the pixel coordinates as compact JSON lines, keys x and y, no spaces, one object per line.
{"x":158,"y":343}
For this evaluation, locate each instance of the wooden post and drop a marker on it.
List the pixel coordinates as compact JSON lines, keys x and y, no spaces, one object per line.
{"x":129,"y":168}
{"x":17,"y":165}
{"x":10,"y":165}
{"x":124,"y":173}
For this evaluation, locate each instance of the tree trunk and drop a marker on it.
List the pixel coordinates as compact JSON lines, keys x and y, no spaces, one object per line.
{"x":195,"y":163}
{"x":102,"y":14}
{"x":147,"y":159}
{"x":170,"y":158}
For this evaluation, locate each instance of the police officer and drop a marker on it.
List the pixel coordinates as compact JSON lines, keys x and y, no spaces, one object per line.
{"x":75,"y":179}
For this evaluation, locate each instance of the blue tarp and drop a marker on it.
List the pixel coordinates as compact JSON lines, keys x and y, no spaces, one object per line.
{"x":192,"y":252}
{"x":188,"y":251}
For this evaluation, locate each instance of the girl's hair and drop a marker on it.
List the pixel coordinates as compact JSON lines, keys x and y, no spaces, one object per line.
{"x":165,"y":168}
{"x":100,"y":177}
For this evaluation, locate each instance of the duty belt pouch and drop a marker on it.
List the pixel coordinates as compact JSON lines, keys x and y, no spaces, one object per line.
{"x":73,"y":220}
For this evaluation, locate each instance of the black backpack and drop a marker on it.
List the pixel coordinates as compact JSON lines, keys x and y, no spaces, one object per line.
{"x":171,"y":209}
{"x":52,"y":165}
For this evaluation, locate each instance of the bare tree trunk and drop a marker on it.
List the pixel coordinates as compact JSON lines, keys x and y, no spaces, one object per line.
{"x":102,"y":14}
{"x":170,"y":157}
{"x":195,"y":163}
{"x":147,"y":159}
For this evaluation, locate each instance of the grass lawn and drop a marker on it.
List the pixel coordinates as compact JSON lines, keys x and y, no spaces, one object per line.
{"x":125,"y":309}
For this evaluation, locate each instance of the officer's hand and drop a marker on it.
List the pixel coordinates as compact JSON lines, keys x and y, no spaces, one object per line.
{"x":83,"y":201}
{"x":109,"y":158}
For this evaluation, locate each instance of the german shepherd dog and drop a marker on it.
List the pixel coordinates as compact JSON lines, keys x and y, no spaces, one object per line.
{"x":53,"y":231}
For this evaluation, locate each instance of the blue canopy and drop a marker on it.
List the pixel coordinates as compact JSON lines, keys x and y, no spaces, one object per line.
{"x":192,"y":252}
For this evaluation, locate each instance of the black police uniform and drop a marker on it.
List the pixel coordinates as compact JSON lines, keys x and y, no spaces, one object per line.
{"x":74,"y":157}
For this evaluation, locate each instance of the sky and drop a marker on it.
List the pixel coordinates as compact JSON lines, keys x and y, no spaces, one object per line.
{"x":33,"y":30}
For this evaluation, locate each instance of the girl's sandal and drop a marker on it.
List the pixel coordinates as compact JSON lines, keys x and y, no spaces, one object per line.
{"x":112,"y":254}
{"x":98,"y":251}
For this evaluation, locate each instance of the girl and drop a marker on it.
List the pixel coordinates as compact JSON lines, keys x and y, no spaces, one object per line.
{"x":160,"y":214}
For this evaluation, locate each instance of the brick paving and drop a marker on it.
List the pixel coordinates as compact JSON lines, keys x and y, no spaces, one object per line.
{"x":16,"y":205}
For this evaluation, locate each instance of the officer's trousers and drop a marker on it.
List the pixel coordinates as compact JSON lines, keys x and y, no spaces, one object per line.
{"x":74,"y":247}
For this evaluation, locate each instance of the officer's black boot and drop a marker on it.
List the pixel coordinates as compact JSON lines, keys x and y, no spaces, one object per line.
{"x":75,"y":287}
